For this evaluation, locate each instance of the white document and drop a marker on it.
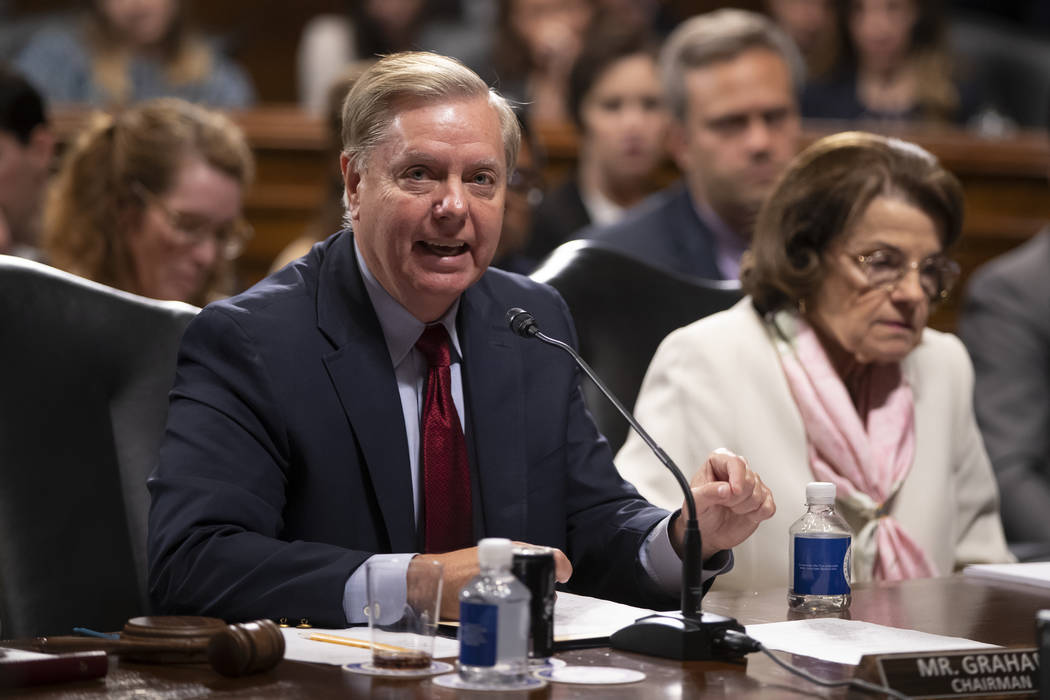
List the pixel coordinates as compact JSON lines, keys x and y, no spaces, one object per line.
{"x":298,"y":648}
{"x":583,"y":617}
{"x":846,"y":641}
{"x":1036,"y":573}
{"x":578,"y":617}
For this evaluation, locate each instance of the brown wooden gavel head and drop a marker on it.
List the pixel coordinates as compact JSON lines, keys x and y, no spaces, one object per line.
{"x":232,"y":650}
{"x":247,"y":647}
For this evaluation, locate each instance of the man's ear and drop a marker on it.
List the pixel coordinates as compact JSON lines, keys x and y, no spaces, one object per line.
{"x":678,"y":145}
{"x":351,"y":183}
{"x":42,"y":145}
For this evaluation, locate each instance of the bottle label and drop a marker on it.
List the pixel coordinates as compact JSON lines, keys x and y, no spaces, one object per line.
{"x":821,"y":565}
{"x":478,"y":634}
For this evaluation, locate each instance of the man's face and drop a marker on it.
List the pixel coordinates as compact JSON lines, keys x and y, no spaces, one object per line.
{"x":741,"y":129}
{"x":427,"y":202}
{"x":141,"y":22}
{"x":23,"y":175}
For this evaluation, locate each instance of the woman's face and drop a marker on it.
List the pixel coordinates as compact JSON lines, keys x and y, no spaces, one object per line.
{"x":881,"y":31}
{"x":551,"y":29}
{"x":624,"y":119}
{"x":141,"y":22}
{"x":179,"y":241}
{"x":877,"y":323}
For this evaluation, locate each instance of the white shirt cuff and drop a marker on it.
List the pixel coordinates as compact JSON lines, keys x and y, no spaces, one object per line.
{"x":665,"y":567}
{"x":394,"y":593}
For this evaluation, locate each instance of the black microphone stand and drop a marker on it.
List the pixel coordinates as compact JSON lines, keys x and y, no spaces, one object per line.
{"x":690,"y":634}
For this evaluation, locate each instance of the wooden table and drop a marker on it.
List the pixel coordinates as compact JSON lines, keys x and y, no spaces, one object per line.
{"x":958,"y":606}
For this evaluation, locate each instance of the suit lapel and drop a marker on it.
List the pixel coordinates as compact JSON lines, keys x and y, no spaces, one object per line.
{"x":363,"y":377}
{"x":495,"y":399}
{"x":695,"y":239}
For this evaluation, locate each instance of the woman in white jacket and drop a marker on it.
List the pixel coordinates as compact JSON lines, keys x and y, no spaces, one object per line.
{"x":826,"y":372}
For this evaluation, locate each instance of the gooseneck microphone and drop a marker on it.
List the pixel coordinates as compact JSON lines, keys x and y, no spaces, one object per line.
{"x":692,"y":635}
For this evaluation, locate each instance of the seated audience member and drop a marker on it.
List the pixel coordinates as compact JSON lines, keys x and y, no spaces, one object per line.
{"x":149,"y":201}
{"x":524,"y":192}
{"x":368,"y":401}
{"x":329,"y":216}
{"x":124,"y":52}
{"x":894,"y":65}
{"x":811,"y":24}
{"x":536,"y":44}
{"x":730,"y":79}
{"x":826,"y":370}
{"x":371,"y":28}
{"x":1005,"y":324}
{"x":27,"y":146}
{"x":616,"y":102}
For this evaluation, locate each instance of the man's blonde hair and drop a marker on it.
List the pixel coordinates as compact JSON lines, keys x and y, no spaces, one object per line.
{"x":415,"y":76}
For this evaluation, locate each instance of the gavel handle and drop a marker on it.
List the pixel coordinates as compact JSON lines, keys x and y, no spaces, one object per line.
{"x":115,"y":646}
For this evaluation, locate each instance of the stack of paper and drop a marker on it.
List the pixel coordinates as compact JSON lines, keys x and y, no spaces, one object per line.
{"x":1033,"y":573}
{"x":846,"y":641}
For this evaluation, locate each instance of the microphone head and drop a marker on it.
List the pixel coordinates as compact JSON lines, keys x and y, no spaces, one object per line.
{"x":522,"y":322}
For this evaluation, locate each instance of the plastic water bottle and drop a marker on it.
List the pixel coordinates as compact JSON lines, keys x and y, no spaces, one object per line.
{"x":820,"y":548}
{"x":494,"y":620}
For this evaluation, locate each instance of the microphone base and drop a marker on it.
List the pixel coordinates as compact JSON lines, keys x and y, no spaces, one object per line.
{"x":674,"y":636}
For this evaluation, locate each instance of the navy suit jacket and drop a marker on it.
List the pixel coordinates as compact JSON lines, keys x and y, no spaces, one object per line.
{"x":557,"y":219}
{"x":664,"y":231}
{"x":285,"y":463}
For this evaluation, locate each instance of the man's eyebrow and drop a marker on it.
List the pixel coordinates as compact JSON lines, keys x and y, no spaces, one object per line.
{"x":428,"y":158}
{"x":491,"y":163}
{"x":415,"y":157}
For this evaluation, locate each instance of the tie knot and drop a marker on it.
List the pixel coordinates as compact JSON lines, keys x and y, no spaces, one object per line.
{"x":434,"y":344}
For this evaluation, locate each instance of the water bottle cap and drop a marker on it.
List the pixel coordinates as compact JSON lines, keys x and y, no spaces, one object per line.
{"x":495,"y":552}
{"x":820,"y":492}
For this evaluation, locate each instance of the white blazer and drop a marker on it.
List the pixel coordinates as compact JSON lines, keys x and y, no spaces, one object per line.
{"x":718,"y":382}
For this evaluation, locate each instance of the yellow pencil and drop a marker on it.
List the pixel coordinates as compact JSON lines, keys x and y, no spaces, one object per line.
{"x":359,"y":643}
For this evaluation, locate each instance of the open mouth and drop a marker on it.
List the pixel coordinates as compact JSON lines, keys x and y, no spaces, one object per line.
{"x":443,"y":250}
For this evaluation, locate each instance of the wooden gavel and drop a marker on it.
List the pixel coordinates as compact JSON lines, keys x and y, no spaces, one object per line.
{"x":232,"y":650}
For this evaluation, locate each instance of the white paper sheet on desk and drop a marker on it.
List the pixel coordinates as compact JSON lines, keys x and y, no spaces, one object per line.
{"x":298,"y":648}
{"x":583,"y":617}
{"x":579,"y":617}
{"x":1033,"y":573}
{"x":845,"y":641}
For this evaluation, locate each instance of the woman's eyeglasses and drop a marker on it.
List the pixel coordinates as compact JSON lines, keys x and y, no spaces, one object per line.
{"x":186,"y":230}
{"x":886,"y":267}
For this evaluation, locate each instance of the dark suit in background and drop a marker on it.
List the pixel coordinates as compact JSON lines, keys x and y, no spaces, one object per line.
{"x":1006,"y":327}
{"x":557,"y":219}
{"x":665,"y":231}
{"x":285,"y":463}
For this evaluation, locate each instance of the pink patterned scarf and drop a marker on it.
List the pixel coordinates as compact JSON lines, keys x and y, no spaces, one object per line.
{"x":867,"y":463}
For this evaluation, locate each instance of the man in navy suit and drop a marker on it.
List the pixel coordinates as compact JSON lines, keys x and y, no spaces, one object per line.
{"x":293,"y":449}
{"x":731,"y":78}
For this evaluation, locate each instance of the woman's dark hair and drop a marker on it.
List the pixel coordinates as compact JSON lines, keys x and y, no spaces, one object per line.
{"x":604,"y":44}
{"x":21,"y":106}
{"x":822,"y":194}
{"x":938,"y":97}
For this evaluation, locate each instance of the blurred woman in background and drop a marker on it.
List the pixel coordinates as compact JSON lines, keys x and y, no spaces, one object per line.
{"x":826,"y":371}
{"x":536,"y":44}
{"x":893,"y":65}
{"x":125,"y":51}
{"x":367,"y":29}
{"x":149,"y":201}
{"x":616,"y":102}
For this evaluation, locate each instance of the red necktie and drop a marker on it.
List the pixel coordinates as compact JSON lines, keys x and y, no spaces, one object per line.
{"x":447,"y":516}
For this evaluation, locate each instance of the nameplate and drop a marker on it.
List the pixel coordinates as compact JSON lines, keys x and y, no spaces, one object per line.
{"x":970,"y":673}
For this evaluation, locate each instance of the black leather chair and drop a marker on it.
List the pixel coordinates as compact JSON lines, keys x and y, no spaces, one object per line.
{"x":623,"y":308}
{"x":85,"y":372}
